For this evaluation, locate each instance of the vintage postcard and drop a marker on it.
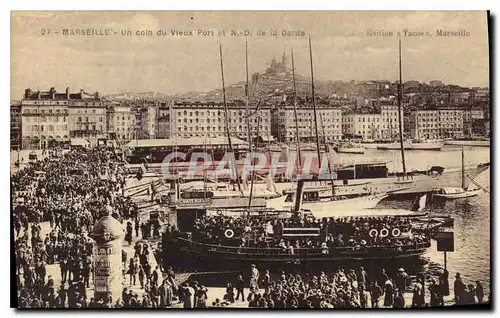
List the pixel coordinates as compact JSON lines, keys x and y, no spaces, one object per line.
{"x":258,"y":159}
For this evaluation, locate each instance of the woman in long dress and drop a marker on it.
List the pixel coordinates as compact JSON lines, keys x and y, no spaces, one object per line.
{"x":389,"y":294}
{"x":169,"y":292}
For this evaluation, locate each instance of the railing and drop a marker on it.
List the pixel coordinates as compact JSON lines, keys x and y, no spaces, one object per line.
{"x":304,"y":252}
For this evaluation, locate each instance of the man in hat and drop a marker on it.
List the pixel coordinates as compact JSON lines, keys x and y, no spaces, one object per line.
{"x":402,"y":280}
{"x":240,"y":285}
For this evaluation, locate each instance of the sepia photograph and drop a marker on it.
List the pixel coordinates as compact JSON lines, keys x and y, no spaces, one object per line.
{"x":250,"y":159}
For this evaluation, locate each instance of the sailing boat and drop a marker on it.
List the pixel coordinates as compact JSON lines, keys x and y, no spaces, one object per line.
{"x":456,"y":192}
{"x":325,"y":200}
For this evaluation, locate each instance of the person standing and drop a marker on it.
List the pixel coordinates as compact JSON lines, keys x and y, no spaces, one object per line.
{"x":399,"y":300}
{"x":254,"y":278}
{"x":402,"y":280}
{"x":375,"y":293}
{"x":389,"y":294}
{"x":479,"y":292}
{"x":240,"y":286}
{"x":459,"y":290}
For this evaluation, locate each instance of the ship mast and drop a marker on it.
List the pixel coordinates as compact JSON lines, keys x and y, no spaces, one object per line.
{"x":400,"y":97}
{"x":318,"y":149}
{"x":230,"y":146}
{"x":463,"y":169}
{"x":247,"y":93}
{"x":327,"y":150}
{"x":297,"y":141}
{"x":300,"y":183}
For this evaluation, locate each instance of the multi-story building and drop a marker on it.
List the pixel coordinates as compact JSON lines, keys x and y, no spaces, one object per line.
{"x":364,"y":125}
{"x":123,"y":122}
{"x":87,"y":117}
{"x":208,"y":120}
{"x":329,"y":123}
{"x":435,"y":124}
{"x":451,"y":123}
{"x":15,"y":127}
{"x":45,"y":118}
{"x":424,"y":124}
{"x":147,"y":121}
{"x":379,"y":122}
{"x":50,"y":117}
{"x":162,"y":120}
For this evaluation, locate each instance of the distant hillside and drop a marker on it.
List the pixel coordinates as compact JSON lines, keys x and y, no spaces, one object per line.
{"x":273,"y":84}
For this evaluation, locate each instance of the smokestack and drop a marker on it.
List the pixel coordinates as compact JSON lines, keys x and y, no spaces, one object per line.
{"x":67,"y":92}
{"x":27,"y":93}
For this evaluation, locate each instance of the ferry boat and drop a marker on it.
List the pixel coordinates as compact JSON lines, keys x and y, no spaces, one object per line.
{"x":282,"y":237}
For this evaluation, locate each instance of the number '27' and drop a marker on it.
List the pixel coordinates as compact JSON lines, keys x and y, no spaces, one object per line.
{"x":45,"y":31}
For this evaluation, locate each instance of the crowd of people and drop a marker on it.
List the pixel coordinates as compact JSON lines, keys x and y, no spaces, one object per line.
{"x":388,"y":231}
{"x":69,"y":191}
{"x":347,"y":289}
{"x":72,"y":191}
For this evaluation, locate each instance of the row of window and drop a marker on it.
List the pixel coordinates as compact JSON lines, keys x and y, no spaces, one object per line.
{"x":220,"y":128}
{"x":214,"y":114}
{"x":48,"y":128}
{"x":87,"y":119}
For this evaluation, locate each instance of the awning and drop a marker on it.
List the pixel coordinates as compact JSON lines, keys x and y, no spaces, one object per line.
{"x":79,"y":142}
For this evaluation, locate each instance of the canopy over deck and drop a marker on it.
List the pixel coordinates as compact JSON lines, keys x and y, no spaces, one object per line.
{"x":186,"y":142}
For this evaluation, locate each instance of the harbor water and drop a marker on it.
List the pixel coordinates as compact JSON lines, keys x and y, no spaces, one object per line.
{"x":471,"y":223}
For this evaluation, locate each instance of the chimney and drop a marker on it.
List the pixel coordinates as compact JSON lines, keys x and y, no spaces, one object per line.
{"x":52,"y":92}
{"x":67,"y":92}
{"x":27,"y":93}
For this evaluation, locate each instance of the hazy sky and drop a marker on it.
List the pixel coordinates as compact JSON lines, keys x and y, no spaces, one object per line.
{"x":342,"y":48}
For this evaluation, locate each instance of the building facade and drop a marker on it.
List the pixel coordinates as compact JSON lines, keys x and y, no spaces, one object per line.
{"x":123,"y":122}
{"x":208,"y":120}
{"x":87,"y":117}
{"x":436,"y":124}
{"x":366,"y":126}
{"x":329,"y":123}
{"x":48,"y":118}
{"x":45,"y":118}
{"x":15,"y":127}
{"x":162,"y":120}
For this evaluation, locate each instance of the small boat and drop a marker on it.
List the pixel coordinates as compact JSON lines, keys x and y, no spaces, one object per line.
{"x":455,"y":193}
{"x":351,"y":148}
{"x":426,"y":145}
{"x":394,"y":146}
{"x":469,"y":142}
{"x":409,"y":145}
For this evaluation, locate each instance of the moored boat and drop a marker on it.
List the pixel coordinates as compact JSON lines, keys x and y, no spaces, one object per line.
{"x":351,"y":148}
{"x":470,"y":143}
{"x":455,"y":193}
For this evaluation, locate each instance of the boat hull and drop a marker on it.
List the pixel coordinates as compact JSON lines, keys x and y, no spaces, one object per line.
{"x":357,"y":151}
{"x":331,"y":208}
{"x":199,"y":251}
{"x":466,"y":194}
{"x":396,"y":185}
{"x":471,"y":143}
